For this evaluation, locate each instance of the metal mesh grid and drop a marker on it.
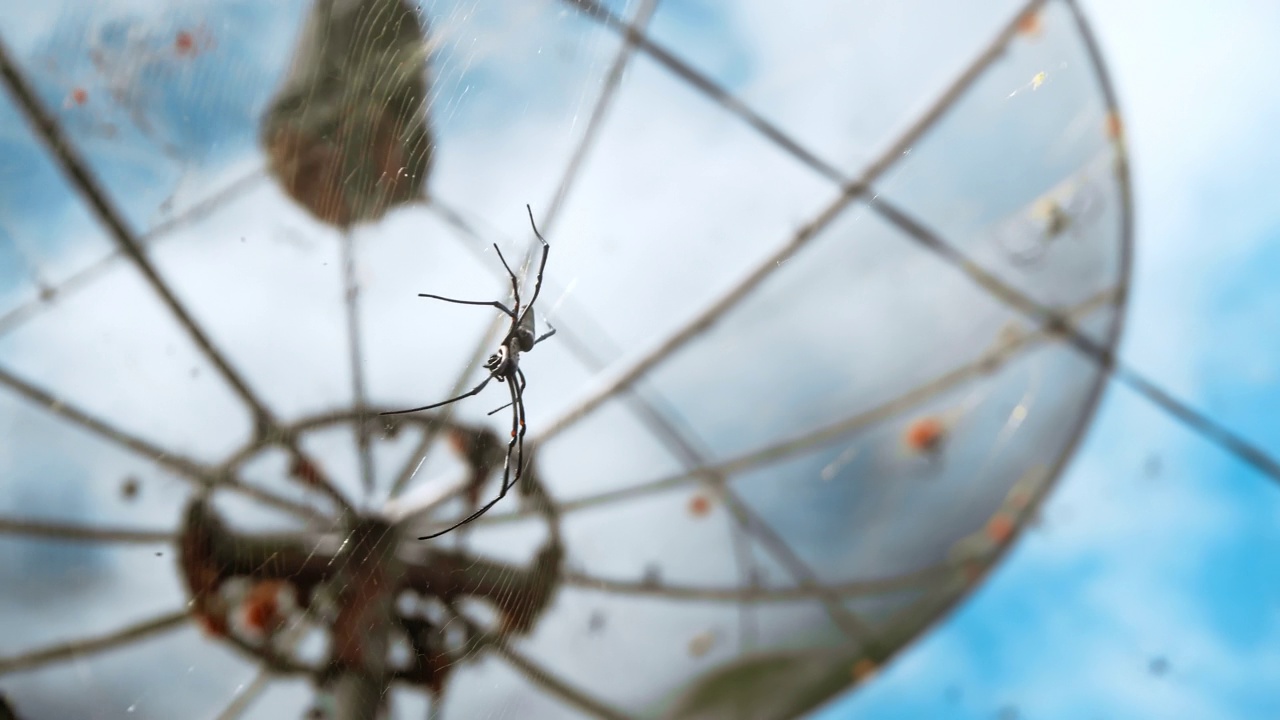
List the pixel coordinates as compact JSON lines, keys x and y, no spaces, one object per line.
{"x":907,"y":543}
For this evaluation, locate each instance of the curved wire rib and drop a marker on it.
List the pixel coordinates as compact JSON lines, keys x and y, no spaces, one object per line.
{"x":920,"y":579}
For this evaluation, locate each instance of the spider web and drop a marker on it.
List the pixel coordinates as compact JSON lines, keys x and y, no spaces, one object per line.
{"x":700,"y":384}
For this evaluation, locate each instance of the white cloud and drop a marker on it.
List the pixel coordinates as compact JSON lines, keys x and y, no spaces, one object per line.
{"x":1199,"y":126}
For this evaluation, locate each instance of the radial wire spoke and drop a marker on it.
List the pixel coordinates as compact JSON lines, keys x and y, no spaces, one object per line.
{"x":75,"y":532}
{"x":83,"y":278}
{"x":82,"y":178}
{"x":722,"y":97}
{"x":246,"y":695}
{"x":680,"y":444}
{"x":355,"y":355}
{"x":1053,"y":321}
{"x":537,"y":674}
{"x":569,"y":175}
{"x":419,"y":457}
{"x":850,"y":192}
{"x":844,"y":618}
{"x":33,"y":659}
{"x":1202,"y":424}
{"x":922,"y":393}
{"x":613,"y":79}
{"x":183,"y":467}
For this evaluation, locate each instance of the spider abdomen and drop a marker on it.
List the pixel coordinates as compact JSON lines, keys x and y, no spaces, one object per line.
{"x":523,"y":338}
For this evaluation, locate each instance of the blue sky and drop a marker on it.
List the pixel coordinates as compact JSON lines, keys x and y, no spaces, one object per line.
{"x":1140,"y":561}
{"x":1135,"y":567}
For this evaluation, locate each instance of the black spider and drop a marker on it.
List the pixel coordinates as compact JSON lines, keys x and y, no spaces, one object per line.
{"x":504,"y":366}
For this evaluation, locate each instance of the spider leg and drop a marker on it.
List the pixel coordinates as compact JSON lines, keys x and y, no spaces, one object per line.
{"x":467,"y":519}
{"x":537,"y":283}
{"x":516,"y":445}
{"x":519,"y":404}
{"x":493,"y":303}
{"x":516,"y":421}
{"x":515,"y":284}
{"x":545,"y":335}
{"x":474,"y":391}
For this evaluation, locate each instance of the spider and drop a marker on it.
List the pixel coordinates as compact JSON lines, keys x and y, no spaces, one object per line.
{"x":503,"y":366}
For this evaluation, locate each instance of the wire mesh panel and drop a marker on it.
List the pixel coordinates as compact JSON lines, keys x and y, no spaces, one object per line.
{"x":819,"y":301}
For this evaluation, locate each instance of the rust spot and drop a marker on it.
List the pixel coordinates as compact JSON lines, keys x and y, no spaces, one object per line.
{"x":699,"y":505}
{"x":1115,"y":126}
{"x":261,"y":607}
{"x":999,"y":528}
{"x":305,"y":470}
{"x":864,"y":669}
{"x":1029,"y":25}
{"x":924,"y":435}
{"x":184,"y":43}
{"x":1019,"y":498}
{"x":78,"y":96}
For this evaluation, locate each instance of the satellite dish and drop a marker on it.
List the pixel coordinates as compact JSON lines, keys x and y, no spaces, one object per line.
{"x":818,"y":280}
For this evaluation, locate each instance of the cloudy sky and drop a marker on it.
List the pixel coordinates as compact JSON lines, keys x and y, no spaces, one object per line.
{"x":1152,"y":591}
{"x":1142,"y":596}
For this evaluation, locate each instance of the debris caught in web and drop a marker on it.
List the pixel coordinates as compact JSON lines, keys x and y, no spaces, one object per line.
{"x":346,"y":134}
{"x":702,"y":643}
{"x":699,"y":505}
